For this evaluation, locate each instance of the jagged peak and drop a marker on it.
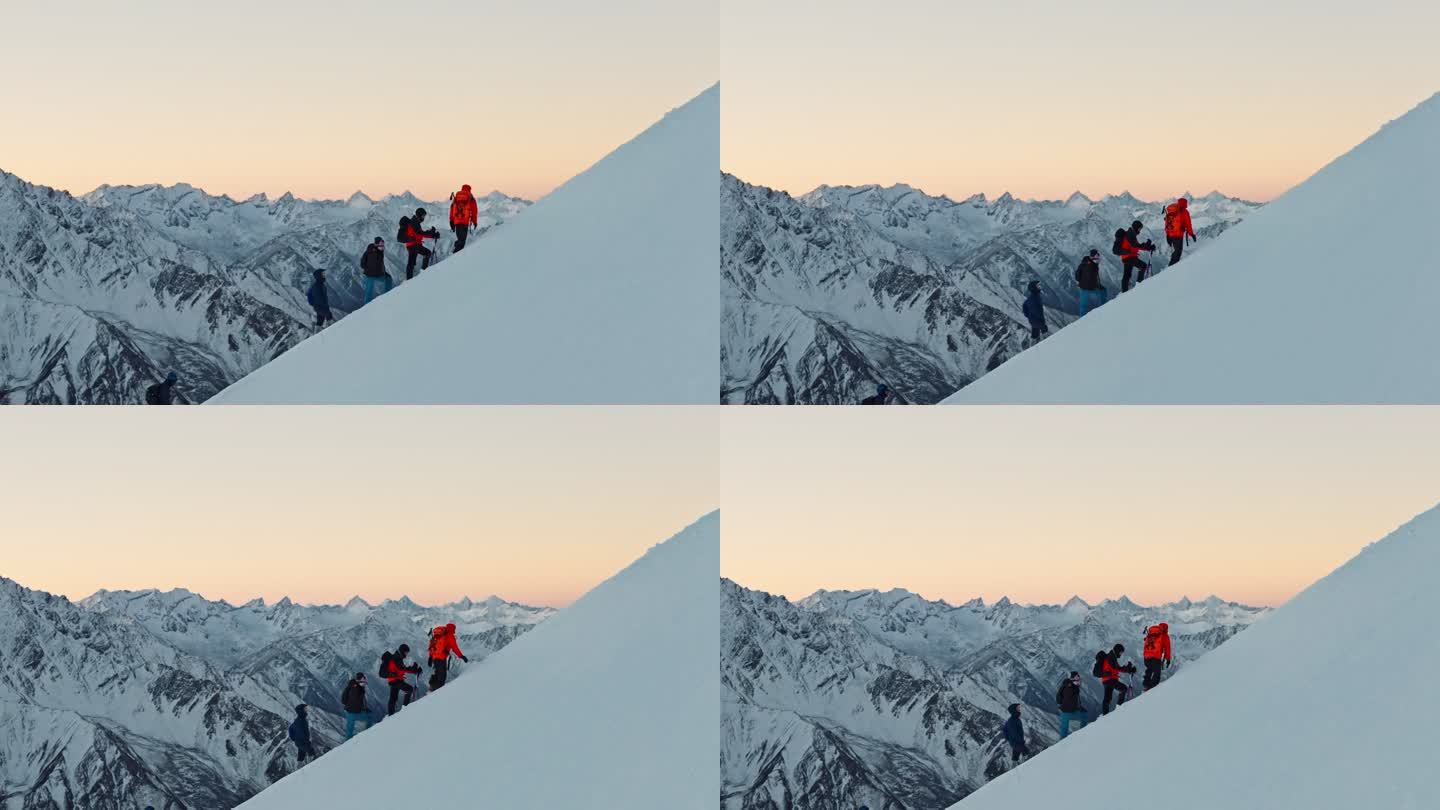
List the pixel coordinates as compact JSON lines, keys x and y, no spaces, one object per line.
{"x":359,"y":198}
{"x":1077,"y":199}
{"x":287,"y":197}
{"x":1075,"y":603}
{"x":253,"y":604}
{"x":356,"y":603}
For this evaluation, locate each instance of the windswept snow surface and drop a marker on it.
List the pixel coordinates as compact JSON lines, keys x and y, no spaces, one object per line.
{"x":604,"y":291}
{"x":1326,"y":295}
{"x":1322,"y":705}
{"x":613,"y":702}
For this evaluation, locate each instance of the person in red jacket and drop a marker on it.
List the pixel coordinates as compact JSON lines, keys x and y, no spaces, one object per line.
{"x":1108,"y":670}
{"x":464,"y":215}
{"x":1157,"y":654}
{"x":442,"y":646}
{"x":414,"y":241}
{"x":1177,"y":227}
{"x":1129,"y":247}
{"x":396,"y":671}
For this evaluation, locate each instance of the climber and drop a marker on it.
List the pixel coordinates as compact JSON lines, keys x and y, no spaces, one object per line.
{"x":413,"y":238}
{"x":353,"y":701}
{"x":372,"y":264}
{"x":1034,"y":311}
{"x":1157,"y":654}
{"x":1108,"y":670}
{"x":1071,"y":708}
{"x":1015,"y":735}
{"x":300,"y":735}
{"x":395,"y":671}
{"x":319,"y":298}
{"x":464,"y":215}
{"x":1177,"y":227}
{"x":1129,"y":247}
{"x":1087,"y":278}
{"x":882,"y":396}
{"x":162,"y":393}
{"x":442,"y":646}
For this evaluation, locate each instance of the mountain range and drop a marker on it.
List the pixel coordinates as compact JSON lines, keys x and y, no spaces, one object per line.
{"x":102,"y":294}
{"x":846,"y":699}
{"x":127,"y":698}
{"x":827,"y":294}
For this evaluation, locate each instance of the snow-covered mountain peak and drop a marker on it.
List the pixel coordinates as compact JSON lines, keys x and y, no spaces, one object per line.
{"x":631,"y":690}
{"x":359,"y":200}
{"x":1078,"y":200}
{"x":1274,"y":686}
{"x":1075,"y":604}
{"x":356,"y":604}
{"x":505,"y":318}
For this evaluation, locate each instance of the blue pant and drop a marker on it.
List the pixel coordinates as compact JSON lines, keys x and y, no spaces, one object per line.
{"x":1066,"y":717}
{"x":371,"y":281}
{"x":1086,"y":295}
{"x":351,"y":717}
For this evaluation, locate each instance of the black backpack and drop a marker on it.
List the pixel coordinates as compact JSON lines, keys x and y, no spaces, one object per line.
{"x":1119,"y":247}
{"x":1099,"y":669}
{"x":404,"y":232}
{"x":385,"y":664}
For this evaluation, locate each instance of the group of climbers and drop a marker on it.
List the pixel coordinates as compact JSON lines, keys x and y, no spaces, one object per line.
{"x":464,"y":215}
{"x":396,"y":672}
{"x":1128,"y":248}
{"x":411,"y":234}
{"x":1108,"y":669}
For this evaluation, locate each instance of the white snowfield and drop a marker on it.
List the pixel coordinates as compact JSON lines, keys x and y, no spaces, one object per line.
{"x":1322,"y":705}
{"x":1327,"y":295}
{"x":602,"y":292}
{"x":612,"y":702}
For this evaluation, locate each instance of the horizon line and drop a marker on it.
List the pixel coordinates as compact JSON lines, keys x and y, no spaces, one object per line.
{"x":983,"y":603}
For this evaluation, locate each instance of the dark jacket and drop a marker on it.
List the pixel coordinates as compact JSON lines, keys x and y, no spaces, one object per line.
{"x":373,"y":262}
{"x":1033,"y":308}
{"x":317,"y":295}
{"x":353,"y":698}
{"x":161,"y":393}
{"x":1013,"y":730}
{"x":1068,"y":697}
{"x":300,"y":730}
{"x":1087,"y":275}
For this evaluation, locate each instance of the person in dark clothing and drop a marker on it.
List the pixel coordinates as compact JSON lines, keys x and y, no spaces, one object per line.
{"x":415,"y":242}
{"x":1129,"y":247}
{"x":396,"y":673}
{"x":1071,"y":709}
{"x":352,"y":699}
{"x":1087,"y":278}
{"x":372,"y":265}
{"x":882,"y":396}
{"x":319,"y":298}
{"x":1015,"y":734}
{"x":162,"y":393}
{"x":1034,"y":311}
{"x":300,"y":735}
{"x":1109,"y":670}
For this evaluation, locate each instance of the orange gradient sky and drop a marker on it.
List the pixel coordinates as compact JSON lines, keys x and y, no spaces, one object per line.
{"x":535,"y":504}
{"x":323,"y":98}
{"x":1039,"y":503}
{"x":1043,"y":97}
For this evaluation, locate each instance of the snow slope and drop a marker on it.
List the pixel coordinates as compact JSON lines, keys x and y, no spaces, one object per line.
{"x":604,"y":291}
{"x":610,"y":703}
{"x":1325,"y":295}
{"x":1326,"y":698}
